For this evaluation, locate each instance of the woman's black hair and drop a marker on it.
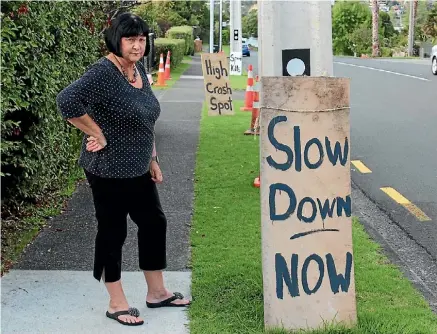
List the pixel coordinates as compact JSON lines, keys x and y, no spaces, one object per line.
{"x":126,"y":25}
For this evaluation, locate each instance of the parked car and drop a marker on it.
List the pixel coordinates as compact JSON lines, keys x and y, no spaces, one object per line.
{"x":245,"y":49}
{"x":434,"y":60}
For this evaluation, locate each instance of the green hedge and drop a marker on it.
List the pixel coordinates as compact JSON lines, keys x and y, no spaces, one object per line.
{"x":176,"y":47}
{"x":185,"y":33}
{"x":45,"y":46}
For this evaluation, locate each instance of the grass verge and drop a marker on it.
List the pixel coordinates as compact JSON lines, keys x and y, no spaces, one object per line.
{"x":175,"y":75}
{"x":226,"y":248}
{"x":239,"y":82}
{"x":19,"y":231}
{"x":186,"y":59}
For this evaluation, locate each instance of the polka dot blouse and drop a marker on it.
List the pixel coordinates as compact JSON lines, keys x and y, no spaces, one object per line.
{"x":126,"y":115}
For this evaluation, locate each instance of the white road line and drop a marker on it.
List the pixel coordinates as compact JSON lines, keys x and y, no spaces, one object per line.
{"x":381,"y":70}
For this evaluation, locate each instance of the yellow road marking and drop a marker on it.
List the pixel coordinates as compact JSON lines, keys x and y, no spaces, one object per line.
{"x":397,"y":197}
{"x":361,"y":167}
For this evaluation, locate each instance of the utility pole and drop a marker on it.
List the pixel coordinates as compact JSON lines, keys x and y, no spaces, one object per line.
{"x":211,"y":26}
{"x":411,"y":29}
{"x":235,"y":25}
{"x":302,"y":26}
{"x":304,"y":111}
{"x":221,"y":26}
{"x":260,"y":48}
{"x":236,"y":57}
{"x":375,"y":29}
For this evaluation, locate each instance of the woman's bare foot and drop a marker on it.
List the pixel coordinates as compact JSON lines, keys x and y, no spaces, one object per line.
{"x":124,"y":317}
{"x":161,"y":295}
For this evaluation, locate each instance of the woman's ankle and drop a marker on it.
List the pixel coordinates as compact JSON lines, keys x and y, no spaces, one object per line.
{"x":157,"y":293}
{"x":118,"y":304}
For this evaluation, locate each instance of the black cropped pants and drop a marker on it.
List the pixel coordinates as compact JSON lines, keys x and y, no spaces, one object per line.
{"x":114,"y":199}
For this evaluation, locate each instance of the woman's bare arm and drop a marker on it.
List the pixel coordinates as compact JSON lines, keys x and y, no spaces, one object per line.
{"x":154,"y":154}
{"x":86,"y":124}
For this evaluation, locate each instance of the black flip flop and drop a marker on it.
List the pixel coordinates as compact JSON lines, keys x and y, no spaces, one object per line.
{"x":132,"y":311}
{"x":168,"y":302}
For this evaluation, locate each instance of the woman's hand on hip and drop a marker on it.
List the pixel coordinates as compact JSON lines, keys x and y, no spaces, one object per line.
{"x":96,"y":143}
{"x":155,"y":171}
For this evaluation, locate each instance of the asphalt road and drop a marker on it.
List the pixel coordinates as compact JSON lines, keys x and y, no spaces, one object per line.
{"x":393,"y":132}
{"x":253,"y":59}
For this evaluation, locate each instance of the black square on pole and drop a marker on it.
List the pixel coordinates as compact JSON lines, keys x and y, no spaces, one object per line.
{"x":296,"y":62}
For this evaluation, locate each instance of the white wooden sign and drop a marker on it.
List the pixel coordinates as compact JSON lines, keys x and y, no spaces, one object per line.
{"x":308,"y":263}
{"x":236,"y":63}
{"x":218,"y":89}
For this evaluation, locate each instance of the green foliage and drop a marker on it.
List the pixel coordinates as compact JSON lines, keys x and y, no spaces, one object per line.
{"x":425,"y":28}
{"x":175,"y":46}
{"x":250,"y":24}
{"x":386,"y":52}
{"x":347,"y":16}
{"x":352,"y":29}
{"x":185,"y":33}
{"x":226,"y":37}
{"x":386,"y":28}
{"x":45,"y":46}
{"x":430,"y":24}
{"x":163,"y":15}
{"x":148,"y":13}
{"x":361,"y":39}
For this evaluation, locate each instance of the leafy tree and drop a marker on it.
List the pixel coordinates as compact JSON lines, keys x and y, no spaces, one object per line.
{"x":430,"y":25}
{"x":387,"y":33}
{"x":250,"y":23}
{"x":346,"y":17}
{"x":361,"y":39}
{"x":162,"y":15}
{"x":386,"y":29}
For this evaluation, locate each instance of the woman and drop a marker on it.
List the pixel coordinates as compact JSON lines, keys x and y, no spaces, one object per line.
{"x":113,"y":104}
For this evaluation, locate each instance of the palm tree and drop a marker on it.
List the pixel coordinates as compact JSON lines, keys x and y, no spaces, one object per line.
{"x":415,"y":4}
{"x":375,"y":28}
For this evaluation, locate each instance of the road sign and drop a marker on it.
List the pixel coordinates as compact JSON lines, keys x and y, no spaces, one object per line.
{"x":308,"y":263}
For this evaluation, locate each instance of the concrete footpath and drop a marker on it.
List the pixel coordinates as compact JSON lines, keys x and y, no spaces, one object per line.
{"x":52,"y":290}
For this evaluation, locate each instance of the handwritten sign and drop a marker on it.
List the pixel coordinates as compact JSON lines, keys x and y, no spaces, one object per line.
{"x":236,"y":63}
{"x":308,"y":264}
{"x":217,"y":87}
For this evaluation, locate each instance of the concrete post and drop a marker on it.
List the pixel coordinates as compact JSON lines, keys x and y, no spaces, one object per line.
{"x":308,"y":267}
{"x":221,"y":26}
{"x":260,"y":49}
{"x":235,"y":23}
{"x":293,"y":29}
{"x":211,"y":26}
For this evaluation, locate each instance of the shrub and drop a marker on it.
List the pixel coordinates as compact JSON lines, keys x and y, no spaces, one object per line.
{"x":45,"y":46}
{"x":226,"y":38}
{"x":175,"y":46}
{"x":185,"y":33}
{"x":386,"y":52}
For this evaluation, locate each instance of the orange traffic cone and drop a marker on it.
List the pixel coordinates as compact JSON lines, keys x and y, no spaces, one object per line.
{"x":254,"y":128}
{"x":257,"y":182}
{"x":161,"y":78}
{"x":167,"y":67}
{"x":248,"y":103}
